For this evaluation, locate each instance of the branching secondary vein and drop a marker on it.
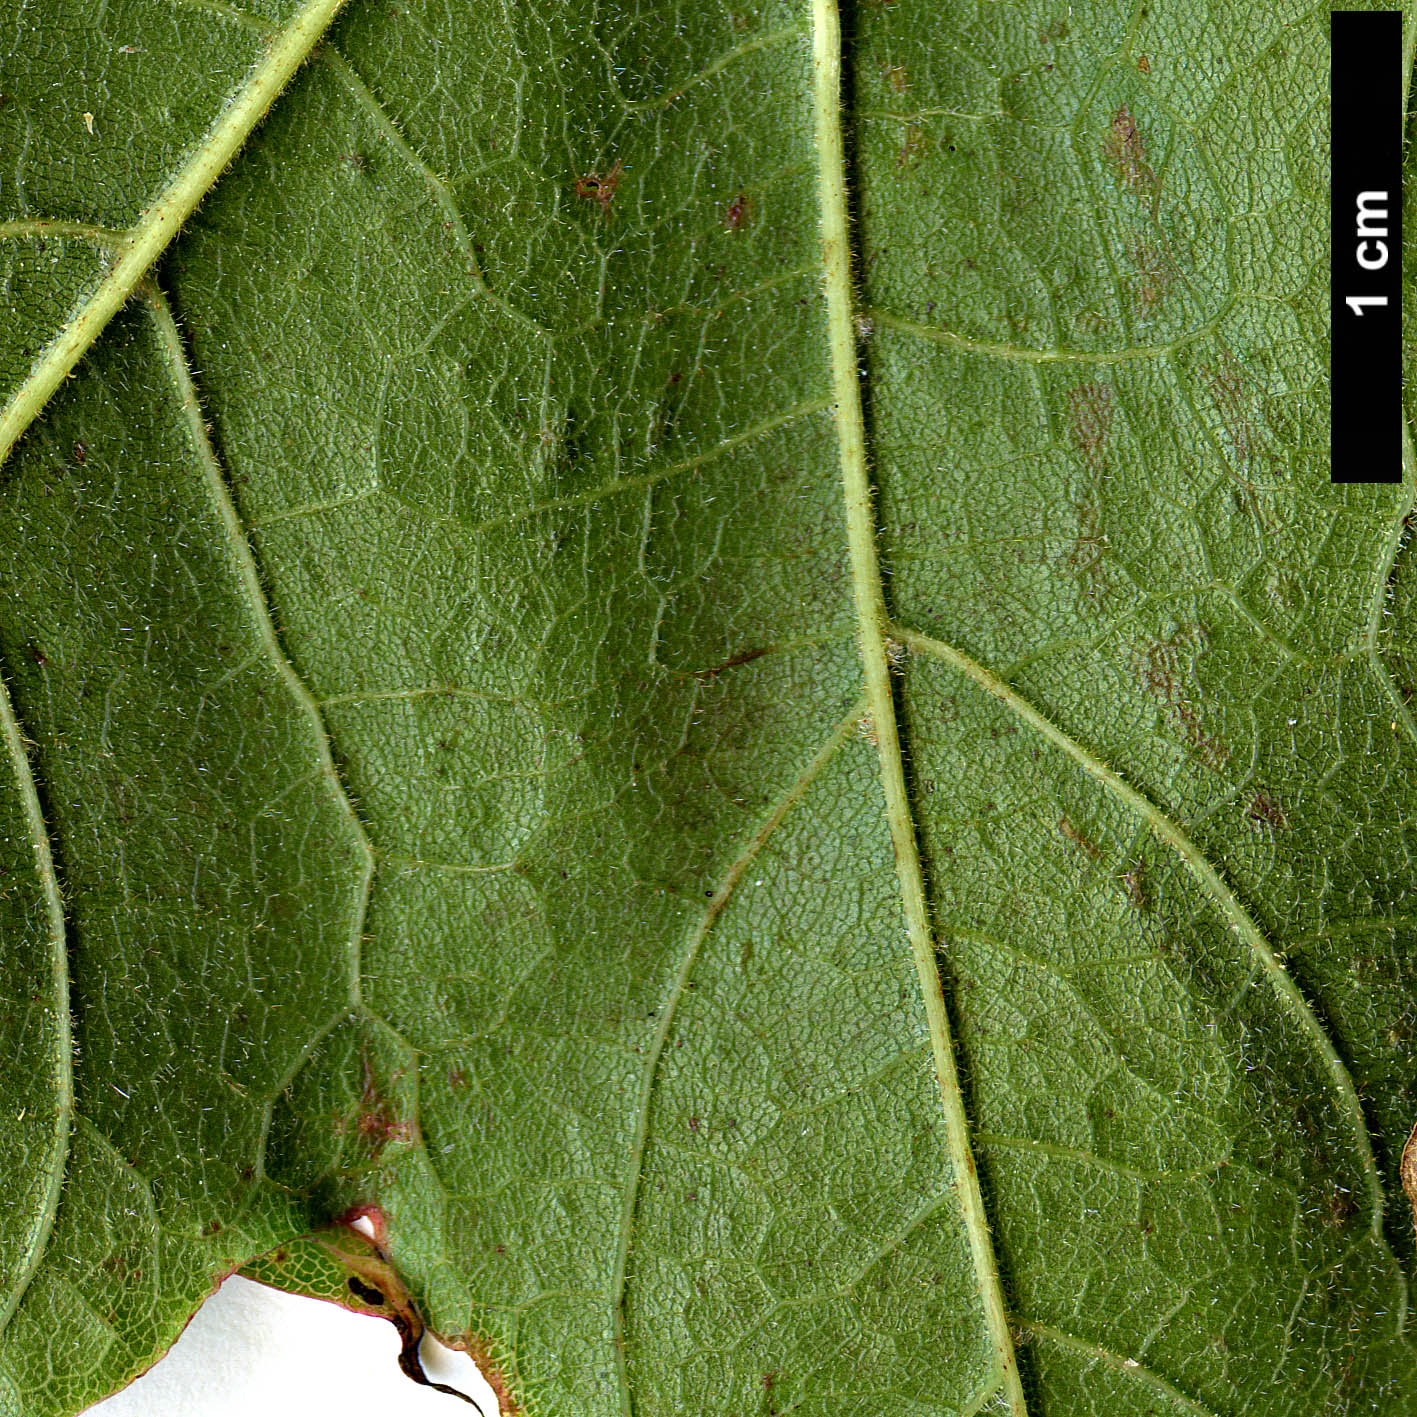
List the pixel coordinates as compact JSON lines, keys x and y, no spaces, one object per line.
{"x":1234,"y":913}
{"x":968,"y":345}
{"x":1131,"y":1367}
{"x":161,"y":221}
{"x":171,"y":341}
{"x":58,"y":1144}
{"x":1378,"y":599}
{"x":731,"y":878}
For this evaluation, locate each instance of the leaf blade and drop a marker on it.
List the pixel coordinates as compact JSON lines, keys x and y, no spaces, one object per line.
{"x":577,"y":627}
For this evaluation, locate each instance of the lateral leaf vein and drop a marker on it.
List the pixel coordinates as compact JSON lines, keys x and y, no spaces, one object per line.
{"x":155,"y":229}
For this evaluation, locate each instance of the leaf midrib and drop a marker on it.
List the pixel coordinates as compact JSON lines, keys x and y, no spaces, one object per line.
{"x":873,"y":633}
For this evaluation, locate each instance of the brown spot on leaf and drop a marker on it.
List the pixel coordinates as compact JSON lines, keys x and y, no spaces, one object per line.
{"x":1156,"y":274}
{"x":739,"y":210}
{"x":747,"y":656}
{"x":1231,"y":397}
{"x":896,"y":75}
{"x":596,"y":188}
{"x":382,"y":1127}
{"x":1090,"y":408}
{"x":1408,"y":1171}
{"x":1144,"y":64}
{"x":912,"y":147}
{"x":1267,"y":811}
{"x":380,"y":1120}
{"x":1164,"y":670}
{"x":1136,"y":884}
{"x":1125,"y":152}
{"x":1341,"y":1207}
{"x":1075,"y":836}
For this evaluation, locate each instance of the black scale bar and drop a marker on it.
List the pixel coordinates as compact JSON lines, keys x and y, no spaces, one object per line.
{"x":1366,"y":89}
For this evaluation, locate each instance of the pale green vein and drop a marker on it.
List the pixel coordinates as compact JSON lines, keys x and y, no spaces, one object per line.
{"x":1063,"y":973}
{"x":232,"y":674}
{"x":1287,"y":1344}
{"x":748,"y":292}
{"x":437,"y":186}
{"x":428,"y":691}
{"x":156,"y":227}
{"x":1265,"y":632}
{"x":239,"y":548}
{"x":968,"y":345}
{"x":763,"y":41}
{"x":224,"y":11}
{"x":573,"y":500}
{"x":983,"y":1394}
{"x":873,"y":633}
{"x":1091,"y":1159}
{"x":311,"y":509}
{"x":1070,"y":984}
{"x":1356,"y":929}
{"x":886,"y":115}
{"x":831,"y":1101}
{"x":1138,"y":14}
{"x":1235,"y":914}
{"x":447,"y":868}
{"x":648,"y":479}
{"x":58,"y":988}
{"x":893,"y":1243}
{"x":1130,"y":1367}
{"x":981,"y":1398}
{"x":123,"y":1166}
{"x":38,"y":228}
{"x":731,"y":877}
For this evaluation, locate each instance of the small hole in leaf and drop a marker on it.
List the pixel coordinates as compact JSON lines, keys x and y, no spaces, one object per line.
{"x":367,"y":1292}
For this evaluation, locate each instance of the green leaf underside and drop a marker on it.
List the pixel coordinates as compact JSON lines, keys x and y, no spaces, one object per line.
{"x":449,"y":734}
